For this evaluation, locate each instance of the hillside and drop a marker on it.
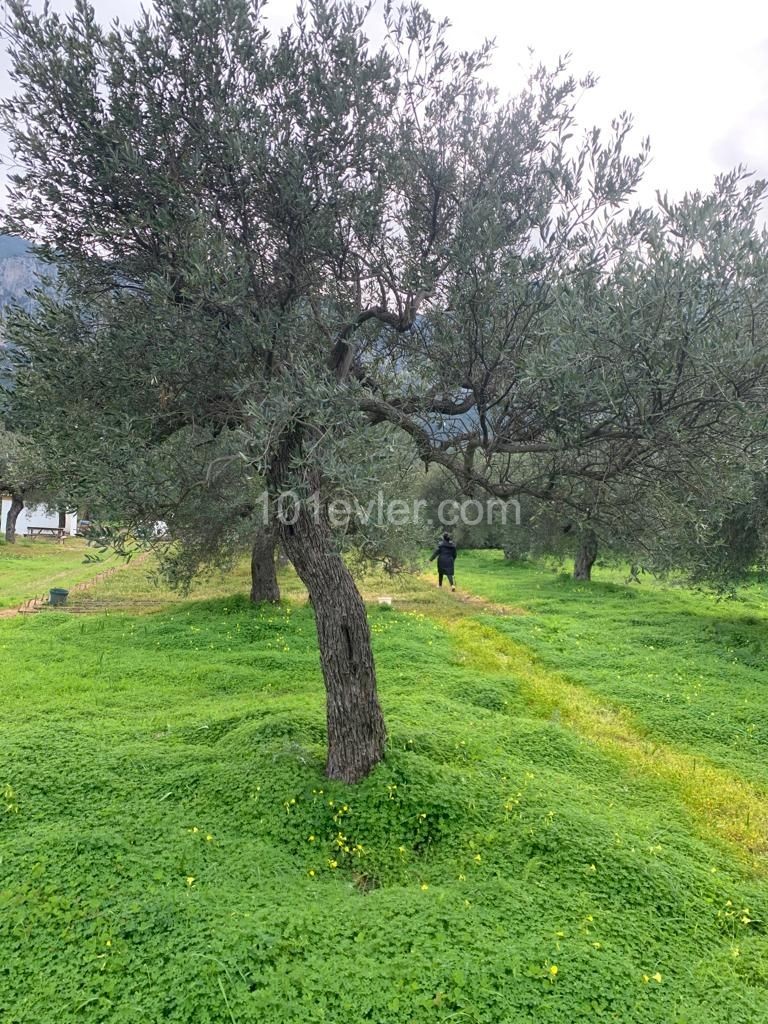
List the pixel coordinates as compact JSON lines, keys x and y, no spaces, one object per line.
{"x":18,"y":271}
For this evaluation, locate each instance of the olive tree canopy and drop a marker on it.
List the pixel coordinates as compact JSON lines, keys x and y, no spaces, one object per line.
{"x":272,"y":244}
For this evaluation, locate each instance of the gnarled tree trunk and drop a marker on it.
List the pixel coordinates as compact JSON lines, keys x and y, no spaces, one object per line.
{"x":356,"y":730}
{"x":264,"y":585}
{"x":586,"y":555}
{"x":17,"y":504}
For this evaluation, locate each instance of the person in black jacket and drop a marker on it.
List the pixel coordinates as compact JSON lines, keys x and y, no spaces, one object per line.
{"x":445,"y":553}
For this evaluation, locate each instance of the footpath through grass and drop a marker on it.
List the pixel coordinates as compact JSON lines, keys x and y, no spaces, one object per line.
{"x":690,"y":667}
{"x":170,"y":849}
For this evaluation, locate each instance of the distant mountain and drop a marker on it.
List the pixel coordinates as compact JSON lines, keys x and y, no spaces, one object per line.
{"x":18,"y":271}
{"x":18,"y":275}
{"x":10,"y":245}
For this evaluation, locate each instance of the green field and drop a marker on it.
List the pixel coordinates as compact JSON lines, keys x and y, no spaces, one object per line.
{"x":569,"y":825}
{"x":692,"y":668}
{"x":29,"y":568}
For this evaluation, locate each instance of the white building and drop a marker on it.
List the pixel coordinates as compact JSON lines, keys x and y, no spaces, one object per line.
{"x":36,"y":515}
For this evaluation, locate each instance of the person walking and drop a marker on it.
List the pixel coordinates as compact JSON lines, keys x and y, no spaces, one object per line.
{"x":445,"y":553}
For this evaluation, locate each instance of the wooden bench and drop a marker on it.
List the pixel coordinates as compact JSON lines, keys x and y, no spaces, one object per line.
{"x":47,"y":531}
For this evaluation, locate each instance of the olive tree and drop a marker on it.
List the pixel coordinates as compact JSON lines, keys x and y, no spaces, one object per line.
{"x":293,"y":241}
{"x":658,"y":415}
{"x":22,"y":475}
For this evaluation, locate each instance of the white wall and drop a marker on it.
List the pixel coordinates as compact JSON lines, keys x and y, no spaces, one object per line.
{"x":37,"y":515}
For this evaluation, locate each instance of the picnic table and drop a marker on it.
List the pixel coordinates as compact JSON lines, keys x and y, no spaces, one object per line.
{"x":46,"y":531}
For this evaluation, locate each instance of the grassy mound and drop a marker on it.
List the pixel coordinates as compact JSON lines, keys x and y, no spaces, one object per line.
{"x":170,"y":849}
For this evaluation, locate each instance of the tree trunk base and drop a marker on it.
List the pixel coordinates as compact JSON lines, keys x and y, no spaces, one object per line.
{"x":17,"y":504}
{"x":264,"y":585}
{"x":356,"y":731}
{"x":585,"y":556}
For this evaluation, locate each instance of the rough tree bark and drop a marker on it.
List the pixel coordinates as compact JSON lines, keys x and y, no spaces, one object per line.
{"x":356,"y":730}
{"x":62,"y":519}
{"x":586,"y":555}
{"x":264,"y":586}
{"x":17,"y":504}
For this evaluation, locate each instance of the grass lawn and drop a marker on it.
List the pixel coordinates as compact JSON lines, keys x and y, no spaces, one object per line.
{"x":29,"y":568}
{"x":692,"y":668}
{"x":170,"y":849}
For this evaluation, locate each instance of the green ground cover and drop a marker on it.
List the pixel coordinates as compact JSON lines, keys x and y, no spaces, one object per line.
{"x":691,"y":667}
{"x":29,"y":568}
{"x":170,"y":850}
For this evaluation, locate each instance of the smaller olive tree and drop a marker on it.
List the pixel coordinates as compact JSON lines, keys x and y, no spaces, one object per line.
{"x":22,"y":476}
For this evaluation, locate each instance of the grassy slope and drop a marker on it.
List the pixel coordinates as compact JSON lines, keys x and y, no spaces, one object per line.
{"x":170,"y":851}
{"x":693,"y":669}
{"x":30,"y":568}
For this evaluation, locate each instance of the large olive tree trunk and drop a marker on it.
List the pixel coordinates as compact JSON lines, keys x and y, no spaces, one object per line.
{"x":264,"y":585}
{"x":17,"y":504}
{"x":356,"y":730}
{"x":585,"y":556}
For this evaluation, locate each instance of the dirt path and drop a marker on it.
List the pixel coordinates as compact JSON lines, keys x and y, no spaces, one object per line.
{"x":420,"y":593}
{"x":480,"y":604}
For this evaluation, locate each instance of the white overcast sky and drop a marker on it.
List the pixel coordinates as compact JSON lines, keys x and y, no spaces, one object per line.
{"x":693,"y":74}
